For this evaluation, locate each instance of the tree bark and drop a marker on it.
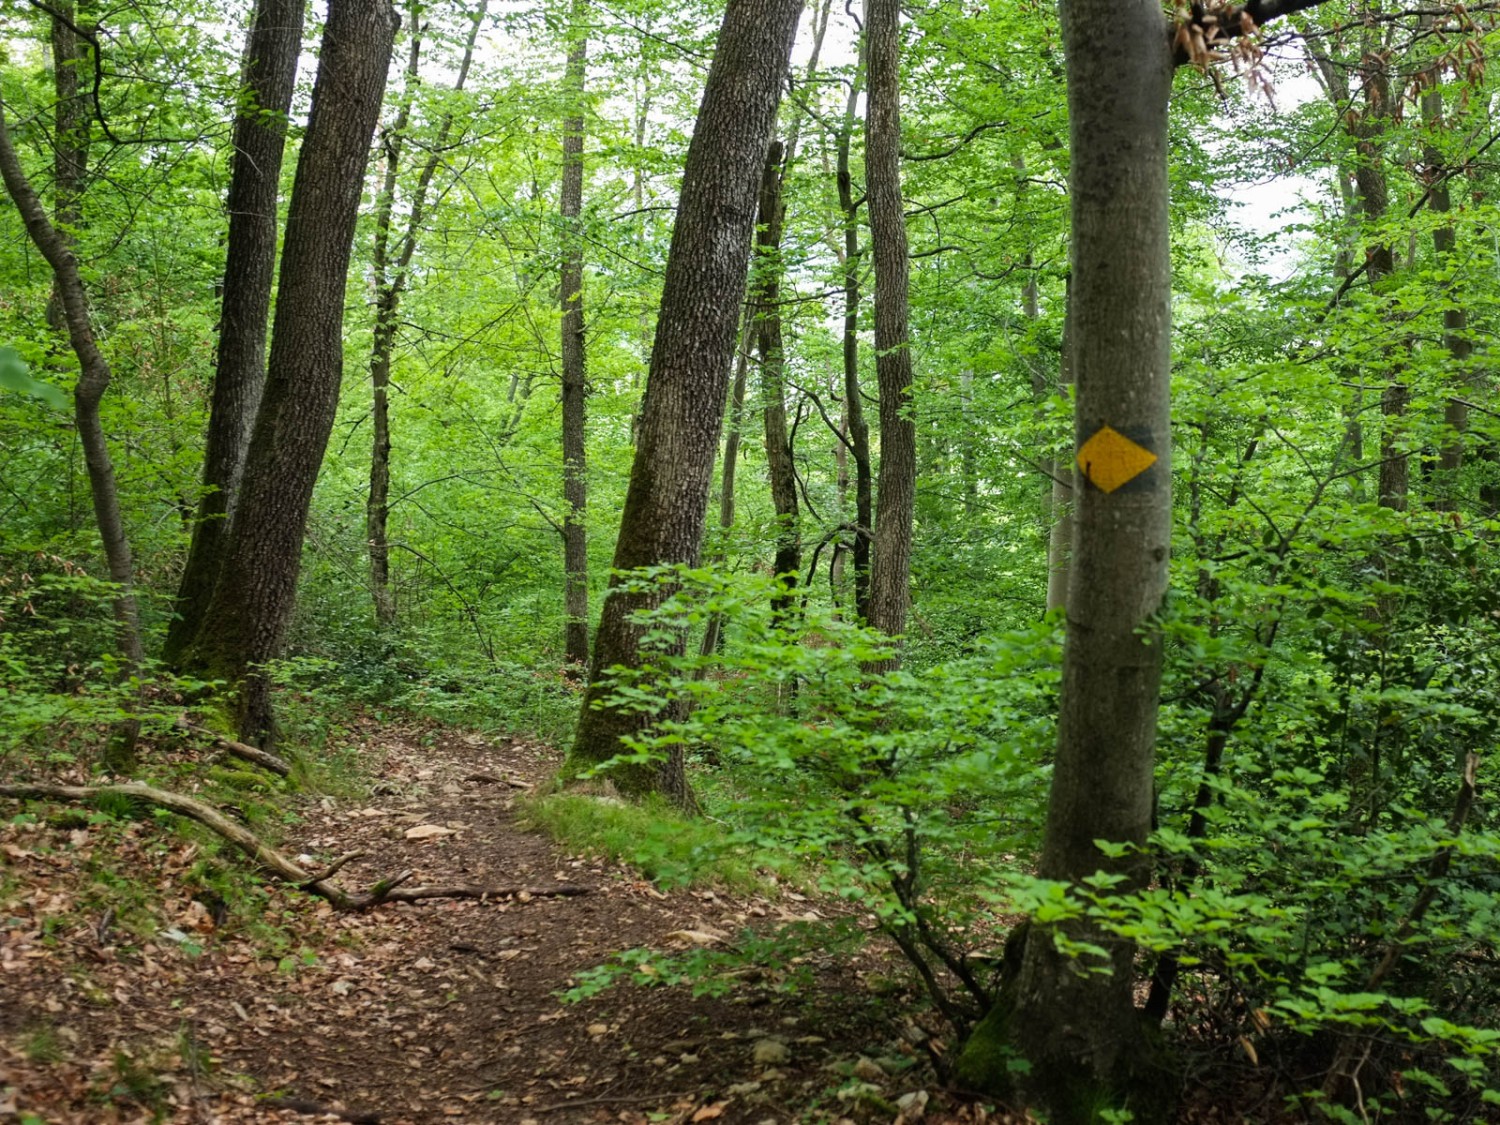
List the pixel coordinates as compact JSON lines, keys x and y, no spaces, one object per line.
{"x":93,"y":380}
{"x":779,"y":464}
{"x":391,"y":271}
{"x":574,"y":371}
{"x":1455,"y":314}
{"x":257,"y":584}
{"x":1373,"y":192}
{"x":854,"y":410}
{"x":270,"y":69}
{"x":666,"y":502}
{"x":1079,"y":1030}
{"x":713,"y":632}
{"x":890,"y":567}
{"x":70,"y":143}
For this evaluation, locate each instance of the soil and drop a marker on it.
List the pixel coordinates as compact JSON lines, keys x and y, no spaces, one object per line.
{"x":437,"y":1011}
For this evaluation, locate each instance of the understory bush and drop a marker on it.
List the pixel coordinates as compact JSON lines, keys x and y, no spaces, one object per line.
{"x":1341,"y":945}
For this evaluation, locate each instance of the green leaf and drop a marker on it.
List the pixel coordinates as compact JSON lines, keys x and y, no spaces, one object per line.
{"x":16,"y":376}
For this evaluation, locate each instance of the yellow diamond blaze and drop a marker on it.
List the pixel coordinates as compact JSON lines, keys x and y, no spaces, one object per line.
{"x":1110,"y":459}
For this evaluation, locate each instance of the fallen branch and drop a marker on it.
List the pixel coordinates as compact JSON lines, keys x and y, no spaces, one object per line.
{"x":317,"y":1109}
{"x":314,"y":882}
{"x":492,"y":779}
{"x":241,"y":750}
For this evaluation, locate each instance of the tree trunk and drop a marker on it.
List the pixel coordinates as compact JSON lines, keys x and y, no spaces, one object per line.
{"x":713,"y":632}
{"x":93,"y":381}
{"x":574,"y":381}
{"x":1455,"y":315}
{"x":257,"y":584}
{"x":666,"y":502}
{"x":1373,"y":193}
{"x":890,"y":569}
{"x":1079,"y":1030}
{"x":779,"y":464}
{"x":70,"y":143}
{"x":854,"y":409}
{"x":270,"y":68}
{"x":391,"y":272}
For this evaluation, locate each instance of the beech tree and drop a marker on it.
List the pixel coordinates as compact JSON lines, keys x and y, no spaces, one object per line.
{"x":1079,"y":1030}
{"x":256,"y":586}
{"x":678,"y":435}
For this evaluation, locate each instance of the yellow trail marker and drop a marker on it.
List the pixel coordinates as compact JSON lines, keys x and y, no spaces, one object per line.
{"x":1110,"y":459}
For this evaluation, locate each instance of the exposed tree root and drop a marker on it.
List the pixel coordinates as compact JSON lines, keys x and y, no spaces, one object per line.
{"x":388,"y":889}
{"x":241,"y":750}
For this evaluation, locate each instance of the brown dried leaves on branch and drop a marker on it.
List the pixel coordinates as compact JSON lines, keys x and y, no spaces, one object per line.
{"x":1205,"y":35}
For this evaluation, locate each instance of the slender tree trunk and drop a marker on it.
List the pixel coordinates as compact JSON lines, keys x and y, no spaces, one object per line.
{"x":681,"y":415}
{"x":713,"y":632}
{"x":1455,"y":315}
{"x":1373,"y":192}
{"x":1079,"y":1029}
{"x":93,"y":381}
{"x":391,"y":269}
{"x":890,"y":569}
{"x":270,"y":68}
{"x":854,"y":409}
{"x":383,"y":339}
{"x":257,"y":584}
{"x":574,"y":381}
{"x":71,"y":134}
{"x":779,"y":464}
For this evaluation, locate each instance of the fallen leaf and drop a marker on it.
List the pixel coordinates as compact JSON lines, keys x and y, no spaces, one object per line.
{"x":710,"y":1111}
{"x":428,"y":832}
{"x":695,"y":937}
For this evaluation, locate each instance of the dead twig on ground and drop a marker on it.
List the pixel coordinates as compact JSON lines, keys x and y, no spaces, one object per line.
{"x":383,"y":890}
{"x":241,"y":750}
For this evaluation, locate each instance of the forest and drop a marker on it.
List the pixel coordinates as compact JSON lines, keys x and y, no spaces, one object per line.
{"x":754,"y":561}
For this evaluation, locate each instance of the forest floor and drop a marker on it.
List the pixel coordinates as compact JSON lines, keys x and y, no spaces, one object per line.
{"x":437,"y":1011}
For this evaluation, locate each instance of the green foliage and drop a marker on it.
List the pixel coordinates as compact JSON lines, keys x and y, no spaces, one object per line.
{"x":908,"y":793}
{"x":16,"y":376}
{"x":669,"y":849}
{"x":779,"y":961}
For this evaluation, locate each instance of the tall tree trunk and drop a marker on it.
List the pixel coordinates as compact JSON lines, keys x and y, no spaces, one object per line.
{"x":70,"y":143}
{"x":270,"y":68}
{"x":1079,"y":1029}
{"x":257,"y":584}
{"x":1455,"y":315}
{"x":574,"y":380}
{"x":1373,"y":193}
{"x":767,"y":300}
{"x":854,"y":409}
{"x":383,"y":338}
{"x":93,"y":381}
{"x":666,"y":502}
{"x":713,"y":632}
{"x":391,"y":270}
{"x":890,"y":568}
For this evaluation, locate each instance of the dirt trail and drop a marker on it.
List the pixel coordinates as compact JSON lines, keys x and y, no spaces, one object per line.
{"x":433,"y":1012}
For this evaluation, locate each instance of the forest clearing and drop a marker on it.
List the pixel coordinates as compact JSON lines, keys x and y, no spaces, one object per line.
{"x":758,"y":561}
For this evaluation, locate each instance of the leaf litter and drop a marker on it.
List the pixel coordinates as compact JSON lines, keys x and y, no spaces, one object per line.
{"x":441,"y":1011}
